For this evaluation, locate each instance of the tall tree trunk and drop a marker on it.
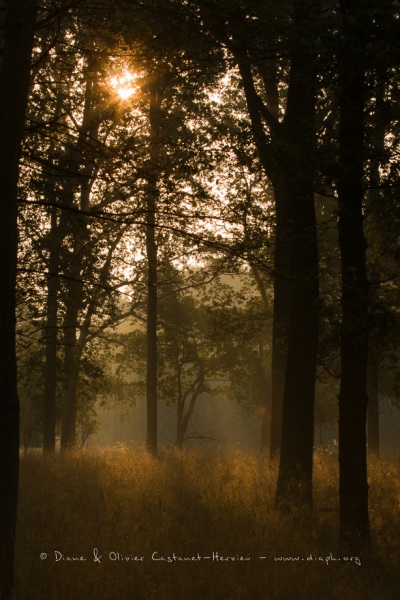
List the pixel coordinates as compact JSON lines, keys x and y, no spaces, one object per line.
{"x":296,"y":459}
{"x":75,"y":290}
{"x":275,"y":171}
{"x":374,"y":199}
{"x":180,"y":406}
{"x":53,"y":287}
{"x":288,"y":156}
{"x":151,"y":250}
{"x":281,"y":275}
{"x":353,"y":485}
{"x":56,"y":235}
{"x":14,"y":82}
{"x":373,"y":403}
{"x":263,"y":395}
{"x":280,"y":318}
{"x":71,"y":359}
{"x":263,"y":383}
{"x":74,"y":304}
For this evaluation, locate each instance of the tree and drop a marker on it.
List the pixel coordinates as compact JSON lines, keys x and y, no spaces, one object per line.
{"x":289,"y":162}
{"x":155,"y":99}
{"x":18,"y":43}
{"x":75,"y":239}
{"x":353,"y":484}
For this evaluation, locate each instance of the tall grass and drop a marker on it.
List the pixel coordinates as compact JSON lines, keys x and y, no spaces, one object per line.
{"x":194,"y":504}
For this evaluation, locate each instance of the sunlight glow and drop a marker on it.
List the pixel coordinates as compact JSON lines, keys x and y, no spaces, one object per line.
{"x":124,"y":85}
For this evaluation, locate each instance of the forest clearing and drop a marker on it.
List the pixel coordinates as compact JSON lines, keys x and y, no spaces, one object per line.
{"x":199,"y":299}
{"x":118,"y":503}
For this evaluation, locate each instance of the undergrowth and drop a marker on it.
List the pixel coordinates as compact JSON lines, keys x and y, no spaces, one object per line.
{"x":118,"y":504}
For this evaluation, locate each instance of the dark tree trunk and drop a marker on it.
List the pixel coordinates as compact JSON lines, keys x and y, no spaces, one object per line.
{"x":280,"y":318}
{"x":263,"y":382}
{"x":71,"y":363}
{"x":353,"y":485}
{"x":268,"y":153}
{"x":75,"y":289}
{"x":55,"y":240}
{"x":264,"y":395}
{"x":14,"y":82}
{"x":374,"y":199}
{"x":373,"y":404}
{"x":183,"y":418}
{"x":180,"y":434}
{"x":53,"y":287}
{"x":296,"y":459}
{"x":74,"y":305}
{"x":287,"y":156}
{"x":152,"y":275}
{"x":281,"y":276}
{"x":180,"y":407}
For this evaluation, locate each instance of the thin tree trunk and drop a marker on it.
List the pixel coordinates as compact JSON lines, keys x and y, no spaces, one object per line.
{"x":180,"y":407}
{"x":353,"y":484}
{"x":151,"y":249}
{"x":74,"y":304}
{"x":179,"y":431}
{"x":75,"y":294}
{"x":374,"y":199}
{"x":280,"y":318}
{"x":71,"y":364}
{"x":184,"y":418}
{"x":264,"y":394}
{"x":74,"y":345}
{"x":281,"y":276}
{"x":53,"y":287}
{"x":56,"y":235}
{"x":373,"y":404}
{"x":14,"y":82}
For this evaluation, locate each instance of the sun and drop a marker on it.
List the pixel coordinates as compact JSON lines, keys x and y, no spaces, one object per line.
{"x":124,"y":85}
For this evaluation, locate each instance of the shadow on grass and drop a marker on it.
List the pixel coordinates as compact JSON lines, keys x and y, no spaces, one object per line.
{"x":117,"y":524}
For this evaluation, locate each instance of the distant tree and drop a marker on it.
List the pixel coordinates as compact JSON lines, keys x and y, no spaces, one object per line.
{"x":382,"y":178}
{"x":156,"y":93}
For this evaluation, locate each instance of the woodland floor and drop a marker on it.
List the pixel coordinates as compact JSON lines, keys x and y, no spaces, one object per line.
{"x":194,"y":504}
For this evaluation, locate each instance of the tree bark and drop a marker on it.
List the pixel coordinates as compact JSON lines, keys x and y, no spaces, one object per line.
{"x":296,"y":459}
{"x":14,"y":82}
{"x":353,"y":485}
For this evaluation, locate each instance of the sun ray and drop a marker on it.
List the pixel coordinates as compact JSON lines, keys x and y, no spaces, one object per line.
{"x":124,"y":85}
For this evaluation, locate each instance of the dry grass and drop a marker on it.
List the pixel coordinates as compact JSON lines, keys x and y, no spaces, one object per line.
{"x":119,"y":500}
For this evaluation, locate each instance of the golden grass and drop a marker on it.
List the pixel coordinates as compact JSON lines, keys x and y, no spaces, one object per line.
{"x":195,"y":503}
